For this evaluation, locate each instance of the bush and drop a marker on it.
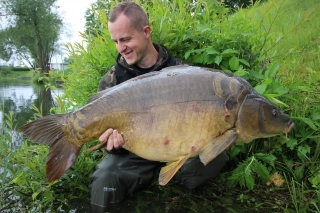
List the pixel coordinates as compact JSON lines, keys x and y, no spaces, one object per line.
{"x":5,"y":70}
{"x":21,"y":69}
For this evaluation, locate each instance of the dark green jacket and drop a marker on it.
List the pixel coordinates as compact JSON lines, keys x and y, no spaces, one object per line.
{"x":121,"y":71}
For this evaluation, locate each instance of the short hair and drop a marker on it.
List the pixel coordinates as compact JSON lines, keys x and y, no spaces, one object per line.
{"x":131,"y":10}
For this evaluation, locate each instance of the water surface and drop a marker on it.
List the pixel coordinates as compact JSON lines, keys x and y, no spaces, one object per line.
{"x":19,"y":97}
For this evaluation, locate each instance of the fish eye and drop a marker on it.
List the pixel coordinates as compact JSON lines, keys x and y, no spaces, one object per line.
{"x":274,"y":112}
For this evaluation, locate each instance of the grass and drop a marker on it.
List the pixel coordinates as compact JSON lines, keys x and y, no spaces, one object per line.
{"x":18,"y":75}
{"x":300,"y":48}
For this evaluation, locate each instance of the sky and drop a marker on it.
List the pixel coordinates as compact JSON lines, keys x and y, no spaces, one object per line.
{"x":72,"y":12}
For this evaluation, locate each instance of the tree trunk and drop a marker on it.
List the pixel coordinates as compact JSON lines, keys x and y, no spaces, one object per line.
{"x":41,"y":59}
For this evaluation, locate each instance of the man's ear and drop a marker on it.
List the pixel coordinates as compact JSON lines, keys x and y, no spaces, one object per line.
{"x":147,"y":31}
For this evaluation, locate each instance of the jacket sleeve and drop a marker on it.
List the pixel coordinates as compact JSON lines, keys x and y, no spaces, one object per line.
{"x":108,"y":80}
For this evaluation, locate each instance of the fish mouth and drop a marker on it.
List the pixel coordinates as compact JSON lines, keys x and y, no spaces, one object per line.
{"x":289,"y":127}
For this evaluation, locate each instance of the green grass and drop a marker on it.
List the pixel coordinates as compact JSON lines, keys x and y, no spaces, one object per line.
{"x":19,"y":75}
{"x":298,"y":54}
{"x":302,"y":38}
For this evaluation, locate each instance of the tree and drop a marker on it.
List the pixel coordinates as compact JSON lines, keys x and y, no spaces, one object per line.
{"x":31,"y":32}
{"x":93,"y":24}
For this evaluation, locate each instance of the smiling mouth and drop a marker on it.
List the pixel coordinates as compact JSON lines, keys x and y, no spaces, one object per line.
{"x":127,"y":53}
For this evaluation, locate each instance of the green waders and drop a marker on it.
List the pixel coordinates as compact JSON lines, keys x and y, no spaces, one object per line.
{"x":118,"y":175}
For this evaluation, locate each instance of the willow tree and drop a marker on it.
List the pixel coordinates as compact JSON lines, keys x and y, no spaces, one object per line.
{"x":31,"y":31}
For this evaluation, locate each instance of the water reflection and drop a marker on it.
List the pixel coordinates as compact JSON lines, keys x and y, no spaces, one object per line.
{"x":18,"y":97}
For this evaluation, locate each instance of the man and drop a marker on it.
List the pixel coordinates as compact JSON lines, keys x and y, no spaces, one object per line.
{"x":121,"y":173}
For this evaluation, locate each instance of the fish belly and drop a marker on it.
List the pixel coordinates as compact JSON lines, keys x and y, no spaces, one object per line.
{"x":167,"y":132}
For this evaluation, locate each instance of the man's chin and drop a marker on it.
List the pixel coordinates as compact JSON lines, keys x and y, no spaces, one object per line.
{"x":130,"y":61}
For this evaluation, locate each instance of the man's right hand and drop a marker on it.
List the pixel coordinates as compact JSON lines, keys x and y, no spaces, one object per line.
{"x":114,"y":139}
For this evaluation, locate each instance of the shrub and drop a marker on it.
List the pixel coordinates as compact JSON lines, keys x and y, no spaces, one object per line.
{"x":5,"y":70}
{"x":21,"y":69}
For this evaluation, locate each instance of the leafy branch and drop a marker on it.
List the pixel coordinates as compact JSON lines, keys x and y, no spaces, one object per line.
{"x":247,"y":171}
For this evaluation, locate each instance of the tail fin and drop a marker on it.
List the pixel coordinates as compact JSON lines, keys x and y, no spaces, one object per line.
{"x":63,"y":152}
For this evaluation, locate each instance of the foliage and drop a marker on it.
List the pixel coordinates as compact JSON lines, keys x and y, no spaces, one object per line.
{"x":93,"y":22}
{"x":21,"y":75}
{"x":32,"y":31}
{"x":21,"y":69}
{"x":301,"y":153}
{"x":237,"y":4}
{"x":245,"y":173}
{"x":5,"y":70}
{"x":90,"y":63}
{"x":13,"y":68}
{"x":15,"y":72}
{"x":23,"y":186}
{"x":303,"y":198}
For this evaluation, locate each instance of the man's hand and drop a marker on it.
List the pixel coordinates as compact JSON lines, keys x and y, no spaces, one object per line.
{"x":113,"y":138}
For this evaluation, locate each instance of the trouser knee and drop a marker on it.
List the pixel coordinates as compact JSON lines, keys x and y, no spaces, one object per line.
{"x":117,"y":176}
{"x":106,"y":190}
{"x":194,"y":172}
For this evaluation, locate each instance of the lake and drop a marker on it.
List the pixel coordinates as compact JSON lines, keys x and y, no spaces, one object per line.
{"x":19,"y":97}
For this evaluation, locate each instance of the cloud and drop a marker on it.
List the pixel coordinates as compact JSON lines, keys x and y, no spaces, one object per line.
{"x":72,"y":12}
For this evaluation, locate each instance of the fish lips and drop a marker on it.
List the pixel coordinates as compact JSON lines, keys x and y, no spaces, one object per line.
{"x":289,"y":127}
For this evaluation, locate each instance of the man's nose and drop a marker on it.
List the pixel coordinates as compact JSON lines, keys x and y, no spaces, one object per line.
{"x":121,"y":47}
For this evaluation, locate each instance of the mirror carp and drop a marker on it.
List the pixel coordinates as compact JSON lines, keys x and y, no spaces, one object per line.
{"x":170,"y":115}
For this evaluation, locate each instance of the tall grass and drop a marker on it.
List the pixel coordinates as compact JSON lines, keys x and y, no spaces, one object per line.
{"x":298,"y":53}
{"x":300,"y":47}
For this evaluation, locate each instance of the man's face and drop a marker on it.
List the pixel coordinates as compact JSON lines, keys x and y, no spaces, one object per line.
{"x":130,"y":43}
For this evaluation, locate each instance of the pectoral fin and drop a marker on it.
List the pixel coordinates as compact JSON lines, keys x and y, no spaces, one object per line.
{"x":167,"y":172}
{"x":96,"y":147}
{"x":212,"y":149}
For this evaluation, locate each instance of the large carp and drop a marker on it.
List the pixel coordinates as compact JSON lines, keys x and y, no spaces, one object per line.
{"x":169,"y":116}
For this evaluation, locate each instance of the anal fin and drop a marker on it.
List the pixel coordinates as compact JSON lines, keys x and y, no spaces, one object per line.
{"x":212,"y":149}
{"x":167,"y":172}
